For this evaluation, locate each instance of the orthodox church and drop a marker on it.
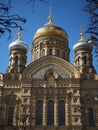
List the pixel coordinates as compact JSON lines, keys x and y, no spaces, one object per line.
{"x":50,"y":93}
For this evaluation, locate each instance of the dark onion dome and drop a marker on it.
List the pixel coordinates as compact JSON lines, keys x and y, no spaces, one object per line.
{"x":82,"y":43}
{"x":18,"y":43}
{"x":50,"y":29}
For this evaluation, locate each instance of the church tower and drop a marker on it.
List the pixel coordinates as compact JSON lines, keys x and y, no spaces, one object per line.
{"x":50,"y":40}
{"x":17,"y":58}
{"x":83,"y":55}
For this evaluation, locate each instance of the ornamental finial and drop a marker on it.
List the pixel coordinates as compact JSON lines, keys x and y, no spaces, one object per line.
{"x":81,"y":28}
{"x":19,"y":32}
{"x":50,"y":16}
{"x":81,"y":32}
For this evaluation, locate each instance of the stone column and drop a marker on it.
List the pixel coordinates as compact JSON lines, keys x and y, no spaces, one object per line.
{"x":44,"y":111}
{"x":67,"y":110}
{"x":33,"y":111}
{"x":56,"y":112}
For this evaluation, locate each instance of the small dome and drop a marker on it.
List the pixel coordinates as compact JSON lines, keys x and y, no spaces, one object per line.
{"x":49,"y":29}
{"x":92,"y":40}
{"x":18,"y":44}
{"x":82,"y":43}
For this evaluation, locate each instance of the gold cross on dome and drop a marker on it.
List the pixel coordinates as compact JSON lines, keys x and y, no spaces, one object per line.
{"x":50,"y":16}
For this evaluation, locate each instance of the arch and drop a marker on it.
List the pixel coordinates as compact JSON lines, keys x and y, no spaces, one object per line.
{"x":63,"y":68}
{"x":90,"y":116}
{"x":58,"y":52}
{"x":39,"y":112}
{"x":10,"y":115}
{"x":50,"y":51}
{"x":50,"y":113}
{"x":11,"y":98}
{"x":43,"y":52}
{"x":63,"y":55}
{"x":16,"y":60}
{"x":85,"y":60}
{"x":61,"y":112}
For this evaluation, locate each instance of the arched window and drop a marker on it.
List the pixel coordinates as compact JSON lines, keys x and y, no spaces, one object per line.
{"x":63,"y":55}
{"x":85,"y":60}
{"x":43,"y":52}
{"x":61,"y":112}
{"x":50,"y":113}
{"x":90,"y":116}
{"x":50,"y":51}
{"x":39,"y":112}
{"x":58,"y":52}
{"x":10,"y":116}
{"x":16,"y":60}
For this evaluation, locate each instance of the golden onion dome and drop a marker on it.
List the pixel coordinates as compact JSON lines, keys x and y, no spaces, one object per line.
{"x":50,"y":29}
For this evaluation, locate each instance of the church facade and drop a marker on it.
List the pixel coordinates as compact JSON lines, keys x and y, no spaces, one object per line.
{"x":50,"y":93}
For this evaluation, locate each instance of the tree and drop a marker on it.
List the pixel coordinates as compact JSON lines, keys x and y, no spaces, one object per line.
{"x":92,"y":9}
{"x":33,"y":2}
{"x":7,"y":21}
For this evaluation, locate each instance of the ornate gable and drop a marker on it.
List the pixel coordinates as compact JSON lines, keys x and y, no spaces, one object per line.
{"x":40,"y":68}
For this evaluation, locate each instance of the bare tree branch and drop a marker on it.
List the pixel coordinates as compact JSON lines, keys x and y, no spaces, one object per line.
{"x":7,"y":21}
{"x":32,"y":2}
{"x":92,"y":9}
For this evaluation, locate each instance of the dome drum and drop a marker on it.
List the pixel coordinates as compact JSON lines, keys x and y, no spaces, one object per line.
{"x":46,"y":40}
{"x":50,"y":45}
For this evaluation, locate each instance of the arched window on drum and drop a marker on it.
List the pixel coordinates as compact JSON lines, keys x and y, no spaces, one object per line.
{"x":43,"y":52}
{"x":63,"y":55}
{"x":58,"y":52}
{"x":50,"y":51}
